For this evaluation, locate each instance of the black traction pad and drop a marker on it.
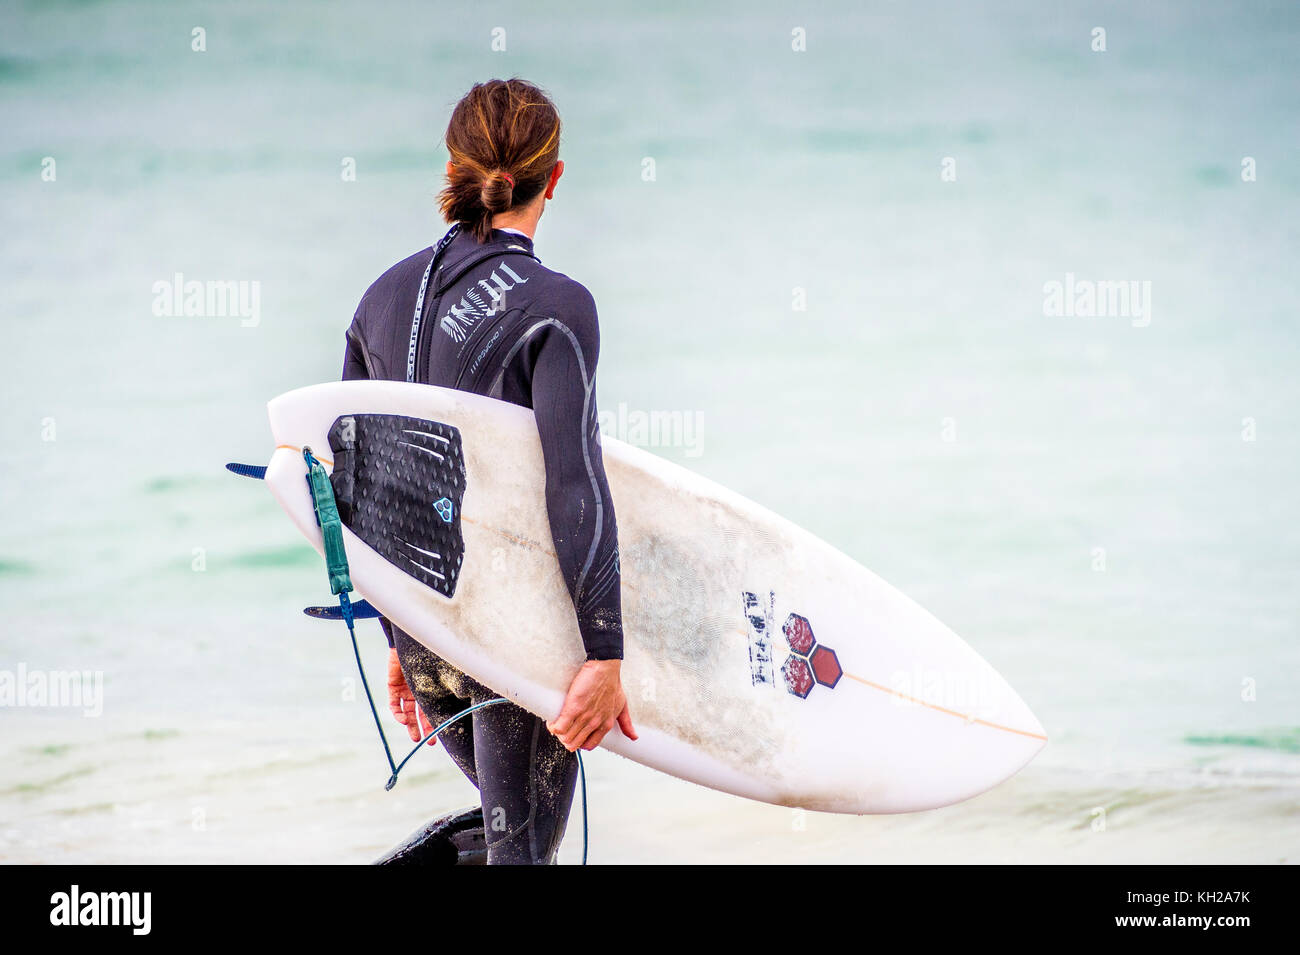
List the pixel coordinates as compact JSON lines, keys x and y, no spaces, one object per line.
{"x":398,"y":482}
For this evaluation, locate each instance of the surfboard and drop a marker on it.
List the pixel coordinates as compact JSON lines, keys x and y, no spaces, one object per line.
{"x":758,"y":659}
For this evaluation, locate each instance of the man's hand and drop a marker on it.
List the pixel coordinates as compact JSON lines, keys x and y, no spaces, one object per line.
{"x":402,"y":702}
{"x":595,"y":702}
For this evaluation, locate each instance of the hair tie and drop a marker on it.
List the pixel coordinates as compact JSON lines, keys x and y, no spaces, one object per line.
{"x":508,"y":178}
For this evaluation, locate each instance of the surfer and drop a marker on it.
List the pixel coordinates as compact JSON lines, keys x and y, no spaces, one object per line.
{"x":481,"y":313}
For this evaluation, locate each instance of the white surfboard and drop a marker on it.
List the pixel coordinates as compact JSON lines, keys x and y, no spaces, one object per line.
{"x":759,"y":660}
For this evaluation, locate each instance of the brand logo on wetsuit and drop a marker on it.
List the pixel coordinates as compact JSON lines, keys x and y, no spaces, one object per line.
{"x":809,"y":662}
{"x":473,"y":307}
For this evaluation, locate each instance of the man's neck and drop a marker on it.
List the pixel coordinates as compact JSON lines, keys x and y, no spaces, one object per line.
{"x":521,"y":220}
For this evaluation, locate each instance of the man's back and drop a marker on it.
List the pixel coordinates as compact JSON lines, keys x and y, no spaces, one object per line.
{"x":495,"y":321}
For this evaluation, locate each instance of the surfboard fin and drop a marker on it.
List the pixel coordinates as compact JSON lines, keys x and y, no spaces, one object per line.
{"x":247,"y":470}
{"x":361,"y":610}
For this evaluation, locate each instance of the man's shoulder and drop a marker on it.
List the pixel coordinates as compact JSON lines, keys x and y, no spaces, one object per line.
{"x":560,"y":296}
{"x":404,"y":274}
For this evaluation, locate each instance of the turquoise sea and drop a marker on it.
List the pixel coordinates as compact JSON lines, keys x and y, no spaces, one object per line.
{"x":1105,"y":506}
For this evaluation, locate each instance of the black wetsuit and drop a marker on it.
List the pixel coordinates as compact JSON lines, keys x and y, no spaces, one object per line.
{"x":494,"y":321}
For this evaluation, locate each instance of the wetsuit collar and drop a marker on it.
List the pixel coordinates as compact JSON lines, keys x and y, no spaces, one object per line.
{"x":464,"y":251}
{"x":464,"y":247}
{"x":511,"y":237}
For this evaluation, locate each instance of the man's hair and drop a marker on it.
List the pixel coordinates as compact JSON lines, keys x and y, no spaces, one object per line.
{"x":504,"y":140}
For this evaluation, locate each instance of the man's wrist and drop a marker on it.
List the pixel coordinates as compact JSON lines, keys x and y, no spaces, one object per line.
{"x":600,"y":653}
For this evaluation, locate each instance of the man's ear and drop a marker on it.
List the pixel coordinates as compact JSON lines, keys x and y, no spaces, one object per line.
{"x":556,"y":173}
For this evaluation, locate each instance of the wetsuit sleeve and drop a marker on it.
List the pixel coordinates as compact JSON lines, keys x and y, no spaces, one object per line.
{"x":578,"y":502}
{"x":354,"y":358}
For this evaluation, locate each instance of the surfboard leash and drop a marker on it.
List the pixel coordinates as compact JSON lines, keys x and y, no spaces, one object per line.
{"x":438,"y":731}
{"x":336,"y":566}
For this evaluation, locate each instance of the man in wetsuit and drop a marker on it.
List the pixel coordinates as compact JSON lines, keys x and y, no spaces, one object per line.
{"x":481,"y":313}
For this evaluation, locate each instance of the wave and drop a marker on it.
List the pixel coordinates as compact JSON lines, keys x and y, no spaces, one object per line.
{"x":1282,"y":740}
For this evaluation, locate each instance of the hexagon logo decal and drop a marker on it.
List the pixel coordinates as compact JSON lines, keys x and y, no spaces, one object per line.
{"x":799,"y":634}
{"x":826,"y":666}
{"x":798,"y":676}
{"x":809,"y":664}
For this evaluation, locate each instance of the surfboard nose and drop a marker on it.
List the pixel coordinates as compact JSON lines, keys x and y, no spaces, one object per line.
{"x":1036,"y":727}
{"x":1016,"y":714}
{"x":946,"y":736}
{"x":1012,"y":736}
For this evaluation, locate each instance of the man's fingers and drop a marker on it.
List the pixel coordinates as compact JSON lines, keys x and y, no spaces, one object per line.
{"x":571,"y":736}
{"x":563,"y":723}
{"x":566,"y":739}
{"x":590,"y":733}
{"x":408,"y":721}
{"x":402,"y":702}
{"x":600,"y":733}
{"x":625,"y":723}
{"x":568,"y":717}
{"x":426,"y":728}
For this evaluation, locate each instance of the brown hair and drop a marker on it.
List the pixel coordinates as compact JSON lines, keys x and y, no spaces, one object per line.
{"x":504,"y":140}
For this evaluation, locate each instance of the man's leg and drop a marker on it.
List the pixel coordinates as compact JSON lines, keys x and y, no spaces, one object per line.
{"x":526,"y":781}
{"x":525,"y":776}
{"x":438,"y":690}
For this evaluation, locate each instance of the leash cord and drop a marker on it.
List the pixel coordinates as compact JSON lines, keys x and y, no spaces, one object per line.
{"x":341,"y":584}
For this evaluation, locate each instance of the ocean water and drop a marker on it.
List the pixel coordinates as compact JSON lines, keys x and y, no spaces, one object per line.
{"x":1104,"y":507}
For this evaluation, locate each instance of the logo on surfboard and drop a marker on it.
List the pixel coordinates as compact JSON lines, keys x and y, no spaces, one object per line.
{"x":808,"y":664}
